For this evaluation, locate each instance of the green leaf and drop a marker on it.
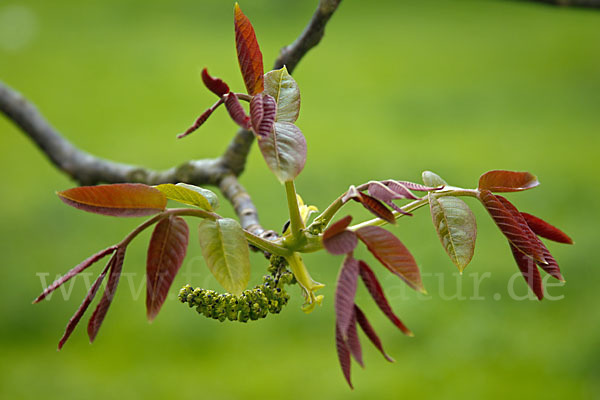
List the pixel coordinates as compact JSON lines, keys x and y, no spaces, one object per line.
{"x":284,"y":89}
{"x":284,"y":150}
{"x":190,"y":194}
{"x":456,"y":227}
{"x":225,"y":250}
{"x":432,"y":179}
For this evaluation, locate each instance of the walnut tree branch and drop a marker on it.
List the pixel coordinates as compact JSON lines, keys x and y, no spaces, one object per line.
{"x":223,"y":171}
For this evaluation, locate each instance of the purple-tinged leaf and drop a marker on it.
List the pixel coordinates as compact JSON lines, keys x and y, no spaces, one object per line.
{"x":120,"y":199}
{"x":284,"y":150}
{"x":353,"y":341}
{"x":215,"y":85}
{"x":523,"y":239}
{"x":97,"y":317}
{"x":248,"y":52}
{"x":362,"y":320}
{"x":343,"y":354}
{"x":342,"y":243}
{"x":390,"y":251}
{"x":201,"y":119}
{"x":507,"y":181}
{"x":263,"y":110}
{"x":345,"y":292}
{"x":166,"y":252}
{"x":236,"y":111}
{"x":415,"y":186}
{"x":545,"y":230}
{"x":337,"y":227}
{"x":84,"y":306}
{"x":529,"y":270}
{"x":376,"y":291}
{"x":373,"y":205}
{"x":386,"y":194}
{"x":88,"y":262}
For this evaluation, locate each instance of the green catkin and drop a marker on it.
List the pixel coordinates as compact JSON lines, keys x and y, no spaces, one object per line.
{"x":251,"y":305}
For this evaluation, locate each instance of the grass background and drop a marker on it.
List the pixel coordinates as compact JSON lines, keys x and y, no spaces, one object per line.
{"x":396,"y":87}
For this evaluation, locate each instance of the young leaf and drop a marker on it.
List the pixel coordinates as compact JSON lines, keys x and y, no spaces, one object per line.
{"x":520,"y":236}
{"x":237,"y":112}
{"x":83,"y":307}
{"x":507,"y":181}
{"x":215,"y":85}
{"x":337,"y":240}
{"x":343,"y":354}
{"x":390,"y":251}
{"x":283,"y":88}
{"x":337,"y":227}
{"x":551,"y":267}
{"x":376,"y":291}
{"x":225,"y":251}
{"x":354,"y":342}
{"x":165,"y":255}
{"x":456,"y":227}
{"x":412,"y":186}
{"x":545,"y":230}
{"x":371,"y":204}
{"x":432,"y":179}
{"x":109,"y":293}
{"x":263,"y":110}
{"x":362,"y":320}
{"x":284,"y":150}
{"x":529,"y":270}
{"x":386,"y":194}
{"x":120,"y":199}
{"x":345,"y":292}
{"x":88,"y":262}
{"x":249,"y":55}
{"x":201,"y":119}
{"x":190,"y":194}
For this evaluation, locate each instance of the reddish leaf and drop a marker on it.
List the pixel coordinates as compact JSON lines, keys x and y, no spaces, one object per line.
{"x":109,"y":292}
{"x":386,"y":194}
{"x":121,"y":199}
{"x":84,"y":306}
{"x":165,"y":255}
{"x":515,"y":230}
{"x":236,"y":111}
{"x":342,"y":243}
{"x":507,"y":181}
{"x":345,"y":292}
{"x":201,"y":119}
{"x":343,"y":354}
{"x":354,"y":341}
{"x":545,"y":230}
{"x":337,"y":227}
{"x":215,"y":85}
{"x":249,"y":55}
{"x":88,"y":262}
{"x":373,"y":286}
{"x":552,"y":267}
{"x":370,"y":332}
{"x":390,"y":251}
{"x":529,"y":270}
{"x":263,"y":109}
{"x":414,"y":186}
{"x":371,"y":204}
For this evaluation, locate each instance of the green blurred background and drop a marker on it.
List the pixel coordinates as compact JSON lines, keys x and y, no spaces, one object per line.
{"x":396,"y":87}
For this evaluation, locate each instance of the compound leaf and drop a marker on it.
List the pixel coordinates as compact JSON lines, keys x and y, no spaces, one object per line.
{"x":225,"y":251}
{"x":456,"y":227}
{"x":166,"y":252}
{"x":120,"y":199}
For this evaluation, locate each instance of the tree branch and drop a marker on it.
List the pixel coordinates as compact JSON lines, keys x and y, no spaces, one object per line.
{"x":87,"y":169}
